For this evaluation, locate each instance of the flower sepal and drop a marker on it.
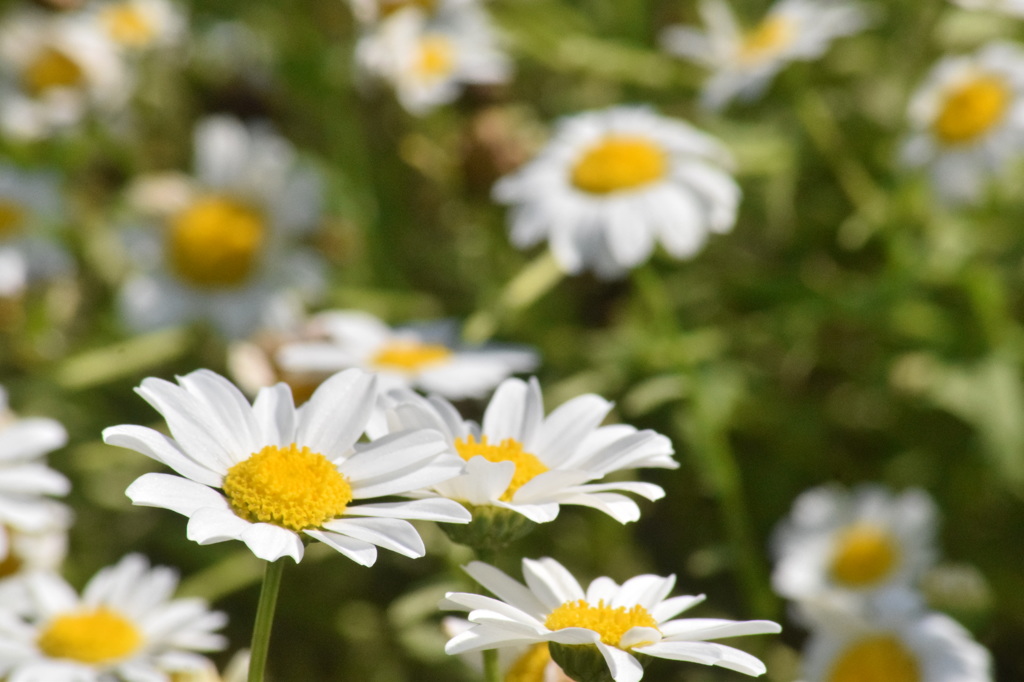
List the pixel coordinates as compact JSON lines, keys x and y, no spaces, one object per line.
{"x":492,"y":528}
{"x":584,"y":662}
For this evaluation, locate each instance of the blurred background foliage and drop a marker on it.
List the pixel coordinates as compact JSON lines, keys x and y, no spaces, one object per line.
{"x":849,"y":329}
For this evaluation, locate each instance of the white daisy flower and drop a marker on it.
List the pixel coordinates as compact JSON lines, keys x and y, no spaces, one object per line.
{"x":744,"y":62}
{"x":428,"y":61}
{"x":30,"y":206}
{"x":26,"y":482}
{"x":272,"y":476}
{"x":848,"y":548}
{"x":29,"y":553}
{"x":967,"y":119}
{"x":428,"y":356}
{"x":55,"y":69}
{"x":620,"y":621}
{"x":611,"y":183}
{"x":226,"y":252}
{"x":907,"y":646}
{"x":141,"y":24}
{"x":124,"y":626}
{"x":1011,"y":7}
{"x":524,"y":462}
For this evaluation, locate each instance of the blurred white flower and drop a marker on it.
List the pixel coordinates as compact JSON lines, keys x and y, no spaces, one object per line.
{"x":125,"y":625}
{"x":428,"y":356}
{"x":429,"y":60}
{"x":141,"y":24}
{"x":744,"y":62}
{"x":894,"y":645}
{"x":275,"y":476}
{"x":54,"y":70}
{"x":524,"y":462}
{"x":967,"y":120}
{"x":226,"y":249}
{"x":854,"y":550}
{"x":612,"y":183}
{"x":618,"y":621}
{"x":1011,"y":7}
{"x":31,"y":205}
{"x":372,"y":11}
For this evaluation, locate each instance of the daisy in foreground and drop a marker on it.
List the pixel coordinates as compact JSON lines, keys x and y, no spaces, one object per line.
{"x":967,"y":120}
{"x":521,"y":466}
{"x":124,"y":626}
{"x":596,"y":633}
{"x":274,"y":476}
{"x":897,"y":646}
{"x":850,"y":548}
{"x":613,"y":183}
{"x":428,"y":356}
{"x":744,"y":62}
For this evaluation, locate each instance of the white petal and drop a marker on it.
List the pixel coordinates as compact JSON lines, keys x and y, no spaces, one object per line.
{"x":551,"y":582}
{"x":157,"y":446}
{"x":227,"y":407}
{"x":394,"y":534}
{"x":173,"y":492}
{"x":699,"y":629}
{"x":566,"y":427}
{"x":506,"y":588}
{"x":336,"y":415}
{"x":429,"y":509}
{"x":208,"y":526}
{"x":274,"y":409}
{"x":270,"y":543}
{"x":515,"y":411}
{"x":363,"y":553}
{"x":623,"y":665}
{"x":398,"y":463}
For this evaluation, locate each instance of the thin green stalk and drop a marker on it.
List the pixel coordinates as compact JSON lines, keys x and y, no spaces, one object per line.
{"x":491,"y":671}
{"x":264,"y":619}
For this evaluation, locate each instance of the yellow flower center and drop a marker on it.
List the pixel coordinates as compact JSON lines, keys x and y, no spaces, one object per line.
{"x":288,"y":487}
{"x":876,"y":658}
{"x":409,"y":355}
{"x":97,"y":636}
{"x":12,"y":218}
{"x":436,"y":58}
{"x":127,"y":25}
{"x":50,"y":69}
{"x":509,"y":450}
{"x":972,"y":109}
{"x":619,"y":162}
{"x":530,"y":666}
{"x":610,"y":623}
{"x":215,"y":242}
{"x":864,"y":555}
{"x":766,"y":40}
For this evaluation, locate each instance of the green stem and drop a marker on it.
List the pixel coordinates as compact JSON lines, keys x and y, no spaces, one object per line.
{"x":491,"y":671}
{"x":264,"y":619}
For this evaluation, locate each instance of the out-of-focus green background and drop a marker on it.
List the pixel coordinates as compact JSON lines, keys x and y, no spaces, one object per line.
{"x":849,"y":329}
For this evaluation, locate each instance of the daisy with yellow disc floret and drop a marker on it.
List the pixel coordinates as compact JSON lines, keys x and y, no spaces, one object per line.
{"x":744,"y":62}
{"x":967,"y":120}
{"x":613,"y":183}
{"x":854,"y":549}
{"x":224,"y":246}
{"x":598,"y":632}
{"x":894,"y":645}
{"x":427,"y":356}
{"x":521,"y":465}
{"x":124,"y":626}
{"x":275,"y":476}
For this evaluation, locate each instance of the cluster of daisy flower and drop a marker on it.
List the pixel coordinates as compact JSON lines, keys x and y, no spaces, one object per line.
{"x":852,"y":562}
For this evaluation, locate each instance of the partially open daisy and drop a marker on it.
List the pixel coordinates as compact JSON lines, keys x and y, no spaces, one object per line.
{"x":428,"y":60}
{"x":138,"y":25}
{"x":895,"y":646}
{"x":606,"y":625}
{"x":967,"y":120}
{"x":26,"y":482}
{"x":613,"y":183}
{"x":744,"y":62}
{"x":54,"y":70}
{"x":125,"y":625}
{"x":427,"y":356}
{"x":522,"y":465}
{"x":274,"y":476}
{"x":843,"y":547}
{"x":30,"y":207}
{"x":226,"y":250}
